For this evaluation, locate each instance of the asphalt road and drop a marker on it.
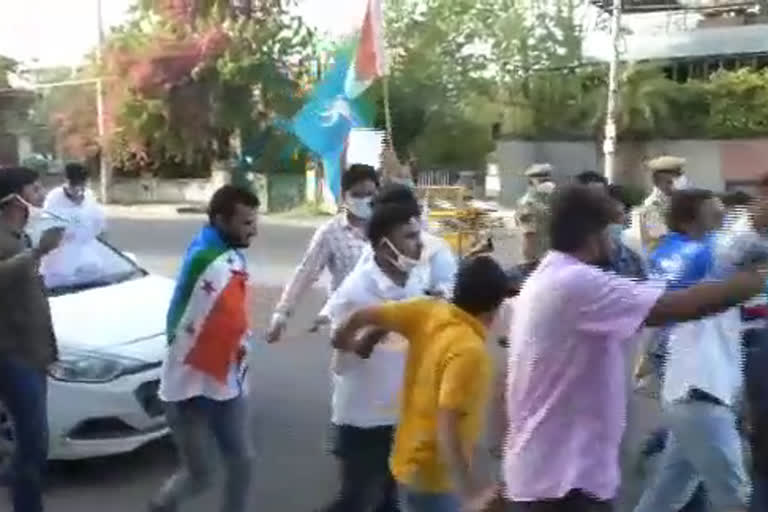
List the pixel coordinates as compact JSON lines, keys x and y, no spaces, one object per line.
{"x":289,"y":398}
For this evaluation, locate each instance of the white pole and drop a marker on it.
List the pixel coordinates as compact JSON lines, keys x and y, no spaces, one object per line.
{"x":609,"y":144}
{"x":104,"y":173}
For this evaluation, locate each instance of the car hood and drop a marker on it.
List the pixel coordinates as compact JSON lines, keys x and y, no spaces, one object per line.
{"x":124,"y":319}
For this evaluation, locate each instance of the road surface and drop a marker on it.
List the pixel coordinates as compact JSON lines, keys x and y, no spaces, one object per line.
{"x":289,"y":399}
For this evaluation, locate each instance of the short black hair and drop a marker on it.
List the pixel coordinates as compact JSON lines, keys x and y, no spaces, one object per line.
{"x":577,"y":213}
{"x":396,"y":193}
{"x":358,"y":173}
{"x":386,"y":217}
{"x":481,"y":285}
{"x":226,"y":198}
{"x":736,"y":198}
{"x":14,"y":179}
{"x":685,"y":206}
{"x":589,"y":177}
{"x":620,"y":195}
{"x":76,"y":173}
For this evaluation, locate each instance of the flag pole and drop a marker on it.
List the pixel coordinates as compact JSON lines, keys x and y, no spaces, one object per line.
{"x":387,"y":113}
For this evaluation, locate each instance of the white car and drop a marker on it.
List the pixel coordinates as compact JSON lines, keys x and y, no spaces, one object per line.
{"x":109,"y":320}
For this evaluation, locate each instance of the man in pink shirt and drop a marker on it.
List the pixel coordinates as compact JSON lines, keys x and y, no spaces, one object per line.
{"x":573,"y":330}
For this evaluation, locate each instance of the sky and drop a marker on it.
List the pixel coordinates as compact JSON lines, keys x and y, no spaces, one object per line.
{"x":60,"y":32}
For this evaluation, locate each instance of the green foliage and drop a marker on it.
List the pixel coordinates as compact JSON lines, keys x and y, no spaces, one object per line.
{"x":435,"y":75}
{"x":738,"y":102}
{"x":728,"y":104}
{"x":198,"y":73}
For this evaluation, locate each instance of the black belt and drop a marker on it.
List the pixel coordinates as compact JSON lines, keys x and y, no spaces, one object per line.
{"x":698,"y":395}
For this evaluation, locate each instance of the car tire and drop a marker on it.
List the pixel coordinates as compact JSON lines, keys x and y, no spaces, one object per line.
{"x":7,"y":442}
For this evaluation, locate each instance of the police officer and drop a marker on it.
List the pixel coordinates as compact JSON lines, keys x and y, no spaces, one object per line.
{"x":667,"y":171}
{"x":532,"y":213}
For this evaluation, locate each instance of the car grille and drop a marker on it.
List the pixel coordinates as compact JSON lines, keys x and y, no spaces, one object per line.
{"x":147,"y":395}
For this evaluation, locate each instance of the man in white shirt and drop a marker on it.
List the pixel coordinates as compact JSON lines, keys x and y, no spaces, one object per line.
{"x":365,"y":391}
{"x":703,"y":370}
{"x":336,"y":246}
{"x":437,"y":258}
{"x":74,"y":204}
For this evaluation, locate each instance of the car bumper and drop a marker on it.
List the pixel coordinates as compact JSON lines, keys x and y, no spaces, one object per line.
{"x":94,"y":420}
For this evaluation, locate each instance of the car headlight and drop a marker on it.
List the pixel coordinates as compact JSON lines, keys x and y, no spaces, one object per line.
{"x":93,"y":367}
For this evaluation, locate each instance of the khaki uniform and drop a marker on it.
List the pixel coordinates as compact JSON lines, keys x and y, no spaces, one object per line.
{"x":532,"y":218}
{"x":653,"y":220}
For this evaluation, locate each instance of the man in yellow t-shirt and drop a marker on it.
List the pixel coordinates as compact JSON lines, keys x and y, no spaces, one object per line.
{"x":446,"y":385}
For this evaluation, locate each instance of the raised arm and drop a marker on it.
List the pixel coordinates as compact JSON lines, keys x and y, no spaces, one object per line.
{"x":706,"y":299}
{"x":403,"y":318}
{"x":312,"y":265}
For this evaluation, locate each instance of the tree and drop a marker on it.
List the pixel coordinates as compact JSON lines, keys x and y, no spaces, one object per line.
{"x":435,"y":73}
{"x":198,"y":73}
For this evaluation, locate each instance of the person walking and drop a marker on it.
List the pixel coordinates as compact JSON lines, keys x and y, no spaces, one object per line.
{"x":203,"y":381}
{"x":446,"y":385}
{"x":702,"y":376}
{"x":27,"y":339}
{"x":532,"y":213}
{"x":74,"y":204}
{"x":743,"y":241}
{"x":568,"y":347}
{"x":437,"y":260}
{"x":336,"y":245}
{"x":365,"y":391}
{"x":650,"y":220}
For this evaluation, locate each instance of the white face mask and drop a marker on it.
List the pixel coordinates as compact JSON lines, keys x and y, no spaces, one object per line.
{"x":408,"y":182}
{"x":360,"y":207}
{"x":401,"y":261}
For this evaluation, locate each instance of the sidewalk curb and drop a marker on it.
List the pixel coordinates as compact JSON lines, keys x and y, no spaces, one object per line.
{"x":175,"y":212}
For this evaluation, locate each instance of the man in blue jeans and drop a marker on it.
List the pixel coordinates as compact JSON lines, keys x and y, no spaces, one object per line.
{"x":27,"y":342}
{"x":204,"y":373}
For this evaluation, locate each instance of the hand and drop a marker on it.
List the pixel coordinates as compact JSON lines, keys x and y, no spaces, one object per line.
{"x":481,"y":501}
{"x":276,"y":329}
{"x":50,"y":240}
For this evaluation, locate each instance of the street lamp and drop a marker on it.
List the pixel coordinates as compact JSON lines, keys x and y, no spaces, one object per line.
{"x":104,"y":171}
{"x":609,"y":142}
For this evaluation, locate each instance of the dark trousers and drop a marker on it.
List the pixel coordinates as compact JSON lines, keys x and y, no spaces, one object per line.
{"x":574,"y":501}
{"x":366,"y":482}
{"x":756,"y":371}
{"x":24,"y":390}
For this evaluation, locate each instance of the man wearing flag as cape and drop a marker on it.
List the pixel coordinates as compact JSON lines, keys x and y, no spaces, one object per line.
{"x":203,"y":376}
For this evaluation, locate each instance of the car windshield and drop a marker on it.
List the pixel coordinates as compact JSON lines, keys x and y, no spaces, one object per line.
{"x":79,"y":265}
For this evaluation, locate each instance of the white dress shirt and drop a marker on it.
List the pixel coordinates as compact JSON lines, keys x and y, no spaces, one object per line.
{"x":705,"y":354}
{"x":366,"y":391}
{"x":79,"y":248}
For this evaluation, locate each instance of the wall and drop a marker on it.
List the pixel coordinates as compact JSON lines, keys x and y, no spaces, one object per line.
{"x":276,"y":192}
{"x":152,"y":190}
{"x":711,"y":164}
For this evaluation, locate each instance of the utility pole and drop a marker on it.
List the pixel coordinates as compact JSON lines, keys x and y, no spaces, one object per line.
{"x":609,"y":142}
{"x":104,"y":171}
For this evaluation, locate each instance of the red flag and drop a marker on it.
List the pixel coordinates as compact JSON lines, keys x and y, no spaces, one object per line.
{"x":370,"y":60}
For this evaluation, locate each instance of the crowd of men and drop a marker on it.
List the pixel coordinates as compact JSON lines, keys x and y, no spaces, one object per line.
{"x":412,"y":370}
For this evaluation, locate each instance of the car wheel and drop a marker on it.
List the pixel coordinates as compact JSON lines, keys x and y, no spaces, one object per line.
{"x":7,"y":441}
